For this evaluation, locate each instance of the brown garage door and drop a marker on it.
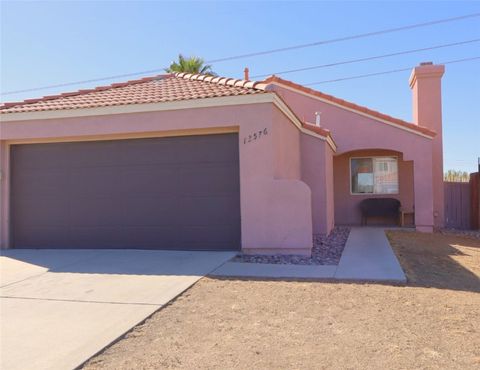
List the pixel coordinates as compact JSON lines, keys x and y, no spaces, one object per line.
{"x":158,"y":193}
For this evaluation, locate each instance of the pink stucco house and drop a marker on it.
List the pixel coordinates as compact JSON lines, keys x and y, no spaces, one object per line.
{"x":198,"y":162}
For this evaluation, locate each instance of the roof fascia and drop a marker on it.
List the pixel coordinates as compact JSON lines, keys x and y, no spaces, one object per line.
{"x":137,"y":108}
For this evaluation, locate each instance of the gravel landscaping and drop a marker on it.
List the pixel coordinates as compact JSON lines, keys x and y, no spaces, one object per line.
{"x":327,"y":250}
{"x":466,"y":233}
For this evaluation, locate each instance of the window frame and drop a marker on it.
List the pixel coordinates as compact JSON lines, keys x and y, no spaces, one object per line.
{"x":371,"y":157}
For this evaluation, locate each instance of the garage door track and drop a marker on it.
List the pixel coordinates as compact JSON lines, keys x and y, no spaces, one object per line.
{"x":60,"y":307}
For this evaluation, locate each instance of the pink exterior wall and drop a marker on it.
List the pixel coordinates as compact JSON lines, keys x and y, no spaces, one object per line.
{"x":354,"y":131}
{"x":329,"y":190}
{"x":317,"y":167}
{"x":287,"y":148}
{"x":275,"y":204}
{"x":346,"y":204}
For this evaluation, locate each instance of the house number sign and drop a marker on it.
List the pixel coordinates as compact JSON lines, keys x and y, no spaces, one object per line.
{"x":255,"y":136}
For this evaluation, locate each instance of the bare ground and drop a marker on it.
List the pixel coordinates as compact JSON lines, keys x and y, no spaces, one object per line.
{"x":431,"y":323}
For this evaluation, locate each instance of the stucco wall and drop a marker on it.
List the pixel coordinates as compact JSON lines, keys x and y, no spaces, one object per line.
{"x":355,"y":131}
{"x":276,"y":214}
{"x":287,"y":148}
{"x":347,"y":205}
{"x":317,"y":173}
{"x":329,"y":190}
{"x":350,"y":130}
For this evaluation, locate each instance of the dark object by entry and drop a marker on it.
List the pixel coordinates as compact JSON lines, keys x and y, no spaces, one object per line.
{"x":379,"y":207}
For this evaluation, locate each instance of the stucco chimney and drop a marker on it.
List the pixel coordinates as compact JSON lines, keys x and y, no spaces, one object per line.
{"x":426,"y":85}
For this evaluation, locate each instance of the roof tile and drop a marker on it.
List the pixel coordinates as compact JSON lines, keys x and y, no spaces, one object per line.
{"x":166,"y":88}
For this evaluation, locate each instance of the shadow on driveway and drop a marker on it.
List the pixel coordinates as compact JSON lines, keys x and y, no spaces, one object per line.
{"x":16,"y":263}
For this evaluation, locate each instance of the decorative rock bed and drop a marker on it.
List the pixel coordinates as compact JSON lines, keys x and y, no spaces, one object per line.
{"x":467,"y":233}
{"x":325,"y":251}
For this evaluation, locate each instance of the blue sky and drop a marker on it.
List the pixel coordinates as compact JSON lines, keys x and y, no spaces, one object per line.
{"x":45,"y":43}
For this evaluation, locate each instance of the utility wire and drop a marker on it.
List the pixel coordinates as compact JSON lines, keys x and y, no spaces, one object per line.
{"x":368,"y":58}
{"x":348,"y":38}
{"x":265,"y":52}
{"x":82,"y":82}
{"x":385,"y":72}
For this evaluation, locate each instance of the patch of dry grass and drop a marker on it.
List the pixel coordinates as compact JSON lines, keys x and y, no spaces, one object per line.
{"x":432,"y":323}
{"x":436,"y":260}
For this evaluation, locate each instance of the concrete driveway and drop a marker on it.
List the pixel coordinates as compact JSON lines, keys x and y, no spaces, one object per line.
{"x":60,"y":307}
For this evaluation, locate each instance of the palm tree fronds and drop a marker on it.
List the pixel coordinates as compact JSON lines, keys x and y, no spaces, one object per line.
{"x":194,"y":65}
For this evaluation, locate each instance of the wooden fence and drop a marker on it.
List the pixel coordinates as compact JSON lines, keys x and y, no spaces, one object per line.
{"x":462,"y":203}
{"x":475,"y":201}
{"x":457,"y":205}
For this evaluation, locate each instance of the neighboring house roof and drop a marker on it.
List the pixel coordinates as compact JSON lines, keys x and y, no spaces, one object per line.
{"x":158,"y":89}
{"x":349,"y":105}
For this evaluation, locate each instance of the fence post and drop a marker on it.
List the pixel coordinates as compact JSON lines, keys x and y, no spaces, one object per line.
{"x":475,"y":200}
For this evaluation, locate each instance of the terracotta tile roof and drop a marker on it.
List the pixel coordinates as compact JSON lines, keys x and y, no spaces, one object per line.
{"x":318,"y":130}
{"x":347,"y":104}
{"x":158,"y":89}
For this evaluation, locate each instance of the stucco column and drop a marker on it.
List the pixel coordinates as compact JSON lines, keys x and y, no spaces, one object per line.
{"x":317,"y":173}
{"x":425,"y":82}
{"x":422,"y":169}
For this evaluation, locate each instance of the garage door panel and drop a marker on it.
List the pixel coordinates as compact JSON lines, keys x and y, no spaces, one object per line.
{"x":150,"y":211}
{"x":90,"y":154}
{"x":201,"y":246}
{"x":159,"y":193}
{"x":44,"y":211}
{"x":150,"y":180}
{"x":152,"y":237}
{"x":49,"y":237}
{"x":95,"y":182}
{"x":206,"y":149}
{"x":209,"y":234}
{"x":139,"y":152}
{"x":97,"y":237}
{"x":45,"y":156}
{"x":209,"y":210}
{"x":98,"y":211}
{"x":41,"y":182}
{"x":219,"y":179}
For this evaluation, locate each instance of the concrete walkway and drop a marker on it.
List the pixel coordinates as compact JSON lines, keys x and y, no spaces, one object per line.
{"x":367,"y":256}
{"x":60,"y":307}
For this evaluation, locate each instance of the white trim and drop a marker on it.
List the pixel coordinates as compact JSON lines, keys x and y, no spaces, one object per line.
{"x":371,"y":157}
{"x":218,"y":130}
{"x":352,"y":110}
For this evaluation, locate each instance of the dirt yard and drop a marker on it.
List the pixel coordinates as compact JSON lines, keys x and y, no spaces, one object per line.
{"x":432,"y":323}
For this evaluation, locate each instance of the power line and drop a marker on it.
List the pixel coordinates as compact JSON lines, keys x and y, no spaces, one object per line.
{"x":83,"y":82}
{"x":368,"y":58}
{"x":265,"y":52}
{"x":348,"y":38}
{"x":385,"y":72}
